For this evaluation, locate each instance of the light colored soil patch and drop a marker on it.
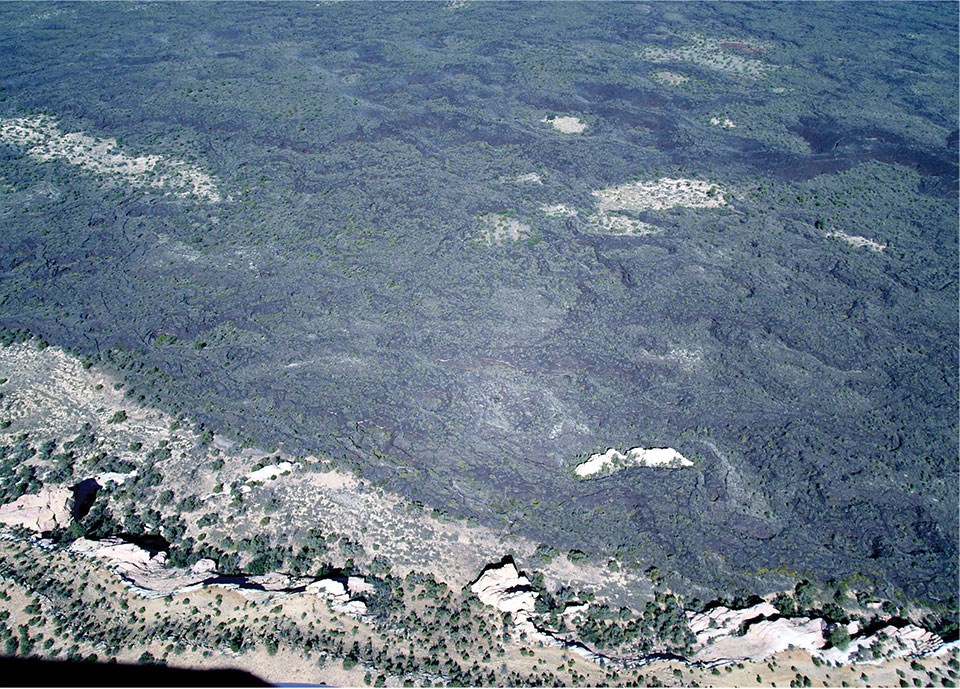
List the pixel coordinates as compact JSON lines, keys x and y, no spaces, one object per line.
{"x":660,"y":194}
{"x":529,"y":178}
{"x":567,"y":125}
{"x":669,"y":78}
{"x":722,"y":55}
{"x":49,"y":394}
{"x":41,"y":138}
{"x":497,"y":228}
{"x":724,"y":122}
{"x":614,"y":223}
{"x":857,"y":241}
{"x":613,"y":459}
{"x":559,"y":211}
{"x":635,"y":197}
{"x":270,"y":472}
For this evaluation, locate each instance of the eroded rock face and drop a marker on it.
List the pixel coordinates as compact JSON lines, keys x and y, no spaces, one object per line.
{"x":721,"y":621}
{"x":338,"y":593}
{"x":503,"y":588}
{"x":204,"y":566}
{"x":889,"y":642}
{"x":47,"y":510}
{"x":719,"y":640}
{"x":128,"y":557}
{"x":358,"y":585}
{"x":327,"y":588}
{"x":766,"y":638}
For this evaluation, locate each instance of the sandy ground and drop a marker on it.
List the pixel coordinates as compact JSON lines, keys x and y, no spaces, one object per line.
{"x":567,"y":125}
{"x":497,"y":228}
{"x":559,"y":210}
{"x":857,"y":241}
{"x":725,"y":122}
{"x":41,"y":138}
{"x":660,"y":194}
{"x":614,"y":223}
{"x":669,"y":78}
{"x":723,"y":55}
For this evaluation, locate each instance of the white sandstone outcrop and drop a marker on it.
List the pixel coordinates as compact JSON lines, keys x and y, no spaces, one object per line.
{"x":44,"y":511}
{"x":726,"y":122}
{"x":575,"y":610}
{"x":886,"y":643}
{"x":559,"y":210}
{"x":204,"y":566}
{"x":328,"y":588}
{"x":144,"y":573}
{"x":114,"y":477}
{"x":358,"y":585}
{"x":529,"y":178}
{"x":505,"y":589}
{"x":338,"y":594}
{"x":765,"y":638}
{"x":719,"y":641}
{"x":128,"y":557}
{"x":613,"y":459}
{"x":721,"y":621}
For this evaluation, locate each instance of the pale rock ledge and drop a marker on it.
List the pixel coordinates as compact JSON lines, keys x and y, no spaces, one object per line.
{"x":505,"y":589}
{"x":46,"y":510}
{"x":722,"y":621}
{"x":502,"y":587}
{"x":766,"y":638}
{"x":337,"y":593}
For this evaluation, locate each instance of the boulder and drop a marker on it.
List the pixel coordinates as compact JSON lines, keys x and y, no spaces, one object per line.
{"x":204,"y":566}
{"x":337,"y":594}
